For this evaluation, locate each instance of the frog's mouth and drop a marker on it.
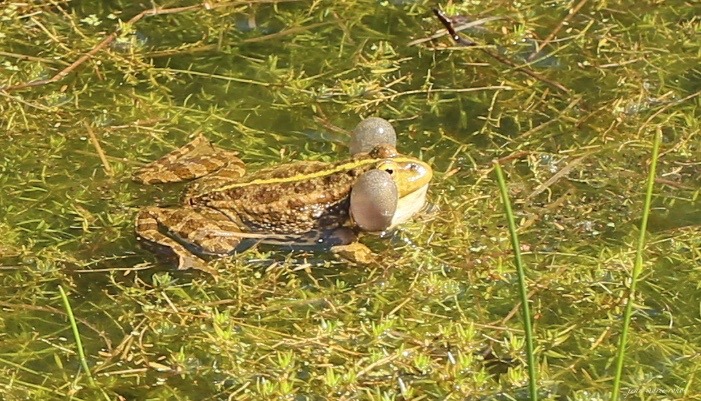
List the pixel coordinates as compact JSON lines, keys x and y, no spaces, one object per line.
{"x":408,"y":205}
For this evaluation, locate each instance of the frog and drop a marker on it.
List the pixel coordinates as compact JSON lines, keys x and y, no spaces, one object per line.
{"x":301,"y":202}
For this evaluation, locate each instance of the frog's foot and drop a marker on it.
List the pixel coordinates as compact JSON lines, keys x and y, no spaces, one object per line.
{"x":194,"y":160}
{"x":209,"y":231}
{"x":187,"y":262}
{"x":147,"y":229}
{"x":355,"y":253}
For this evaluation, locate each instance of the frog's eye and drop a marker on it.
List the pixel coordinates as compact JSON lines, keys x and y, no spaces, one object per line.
{"x":389,"y":167}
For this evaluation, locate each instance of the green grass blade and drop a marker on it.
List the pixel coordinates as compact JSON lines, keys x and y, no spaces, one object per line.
{"x":76,"y":335}
{"x":525,"y":310}
{"x":637,"y":268}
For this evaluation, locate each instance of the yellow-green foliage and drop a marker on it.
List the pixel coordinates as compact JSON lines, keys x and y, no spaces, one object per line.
{"x":437,"y":317}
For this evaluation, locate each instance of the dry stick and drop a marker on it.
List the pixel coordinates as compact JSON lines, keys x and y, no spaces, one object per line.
{"x":23,"y":57}
{"x":100,"y":152}
{"x":19,"y":99}
{"x":455,"y":29}
{"x":459,"y":40}
{"x":286,"y":32}
{"x":557,"y":176}
{"x":557,"y":29}
{"x":448,"y":24}
{"x":111,"y":37}
{"x":526,"y":71}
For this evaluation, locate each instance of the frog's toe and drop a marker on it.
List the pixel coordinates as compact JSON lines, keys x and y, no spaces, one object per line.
{"x":193,"y":262}
{"x":355,"y":253}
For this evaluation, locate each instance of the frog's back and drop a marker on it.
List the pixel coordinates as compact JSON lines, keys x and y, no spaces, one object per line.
{"x":290,"y":198}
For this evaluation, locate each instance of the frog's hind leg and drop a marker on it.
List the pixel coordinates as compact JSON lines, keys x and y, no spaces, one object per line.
{"x":209,"y":232}
{"x":194,"y":160}
{"x":148,"y":221}
{"x":232,"y":171}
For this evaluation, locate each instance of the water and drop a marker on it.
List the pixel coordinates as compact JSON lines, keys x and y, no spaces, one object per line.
{"x":285,"y":81}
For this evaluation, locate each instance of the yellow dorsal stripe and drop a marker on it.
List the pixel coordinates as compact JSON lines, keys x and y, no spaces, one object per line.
{"x":341,"y":167}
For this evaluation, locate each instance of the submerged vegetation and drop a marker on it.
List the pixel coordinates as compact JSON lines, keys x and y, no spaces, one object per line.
{"x":567,"y":97}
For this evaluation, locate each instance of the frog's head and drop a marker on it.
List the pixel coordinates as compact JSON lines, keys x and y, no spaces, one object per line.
{"x":391,"y":192}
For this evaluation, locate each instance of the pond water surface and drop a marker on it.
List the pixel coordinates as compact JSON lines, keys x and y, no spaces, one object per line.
{"x":567,"y":96}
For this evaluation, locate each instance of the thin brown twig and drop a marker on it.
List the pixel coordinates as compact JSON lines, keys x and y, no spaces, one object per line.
{"x":557,"y":29}
{"x":525,"y":70}
{"x":24,"y":102}
{"x":673,"y":184}
{"x":286,"y":32}
{"x":100,"y":152}
{"x":187,"y":49}
{"x":557,"y":176}
{"x":448,"y":24}
{"x":621,"y":64}
{"x":517,"y":155}
{"x":522,"y":69}
{"x":455,"y":29}
{"x":23,"y":57}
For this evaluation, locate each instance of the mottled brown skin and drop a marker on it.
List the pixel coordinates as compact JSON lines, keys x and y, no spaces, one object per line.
{"x":222,"y":206}
{"x":288,"y":207}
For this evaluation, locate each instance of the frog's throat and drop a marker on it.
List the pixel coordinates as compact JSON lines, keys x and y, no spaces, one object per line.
{"x":409,"y":205}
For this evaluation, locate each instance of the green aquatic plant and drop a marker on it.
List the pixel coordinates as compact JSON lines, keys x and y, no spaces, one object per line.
{"x":637,"y":269}
{"x":563,"y":95}
{"x":523,"y":291}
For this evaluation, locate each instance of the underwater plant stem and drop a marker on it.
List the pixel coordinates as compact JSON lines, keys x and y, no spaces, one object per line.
{"x":523,"y":293}
{"x":637,"y":269}
{"x":76,"y":335}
